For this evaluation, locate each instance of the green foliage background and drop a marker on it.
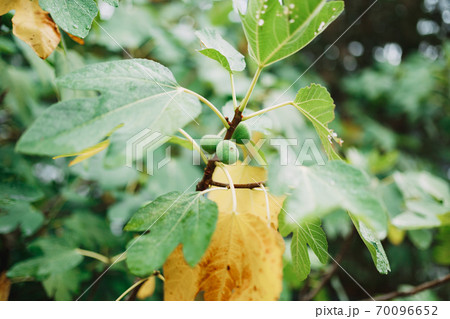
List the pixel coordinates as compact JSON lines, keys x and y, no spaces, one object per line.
{"x":389,"y":78}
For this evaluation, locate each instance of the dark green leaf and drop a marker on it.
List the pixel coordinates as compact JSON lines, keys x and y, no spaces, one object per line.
{"x":172,"y":219}
{"x":374,"y":245}
{"x":308,"y":233}
{"x":21,"y":214}
{"x":56,"y":259}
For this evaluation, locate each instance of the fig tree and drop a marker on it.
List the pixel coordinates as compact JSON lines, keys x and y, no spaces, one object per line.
{"x":209,"y":143}
{"x":227,"y":152}
{"x":242,"y":133}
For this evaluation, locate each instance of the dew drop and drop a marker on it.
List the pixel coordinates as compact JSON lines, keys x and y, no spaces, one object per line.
{"x":321,"y":26}
{"x":260,"y":22}
{"x":334,"y":9}
{"x":292,"y":6}
{"x":265,"y":6}
{"x":75,"y":26}
{"x":291,"y":21}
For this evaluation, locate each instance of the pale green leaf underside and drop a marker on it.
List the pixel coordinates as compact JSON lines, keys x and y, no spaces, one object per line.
{"x":73,"y":16}
{"x":318,"y":190}
{"x":316,"y":104}
{"x":373,"y":244}
{"x":216,"y":48}
{"x":173,"y":219}
{"x":135,"y":94}
{"x":275,"y":31}
{"x":427,"y":201}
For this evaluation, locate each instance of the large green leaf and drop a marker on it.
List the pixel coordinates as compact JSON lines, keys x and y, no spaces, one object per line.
{"x":309,"y":233}
{"x":173,"y":219}
{"x":373,"y":244}
{"x":73,"y":16}
{"x":275,"y":31}
{"x":216,"y":48}
{"x":135,"y":94}
{"x":318,"y":190}
{"x":316,"y":104}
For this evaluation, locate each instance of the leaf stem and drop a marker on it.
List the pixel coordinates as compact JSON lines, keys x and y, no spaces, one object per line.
{"x":210,"y":105}
{"x":231,"y":184}
{"x":268,"y":109}
{"x":250,"y":89}
{"x":194,"y":145}
{"x":206,"y":191}
{"x":267,"y":204}
{"x":119,"y":257}
{"x":93,"y":255}
{"x":137,"y":283}
{"x":233,"y":90}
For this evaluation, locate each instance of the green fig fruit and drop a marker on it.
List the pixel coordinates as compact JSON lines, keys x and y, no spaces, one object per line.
{"x":209,"y":143}
{"x":227,"y":152}
{"x":242,"y":134}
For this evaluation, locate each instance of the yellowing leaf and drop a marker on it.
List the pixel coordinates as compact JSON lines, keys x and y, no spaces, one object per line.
{"x":244,"y":258}
{"x":33,"y":25}
{"x":86,"y":153}
{"x":147,"y":289}
{"x":248,"y":201}
{"x":5,"y":286}
{"x":243,"y":262}
{"x":395,"y":235}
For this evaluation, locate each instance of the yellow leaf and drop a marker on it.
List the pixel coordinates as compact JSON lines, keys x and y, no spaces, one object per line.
{"x":147,"y":289}
{"x":395,"y":235}
{"x":33,"y":25}
{"x":243,"y":262}
{"x":76,"y":39}
{"x":86,"y":153}
{"x":5,"y":286}
{"x":244,"y":258}
{"x":248,"y":201}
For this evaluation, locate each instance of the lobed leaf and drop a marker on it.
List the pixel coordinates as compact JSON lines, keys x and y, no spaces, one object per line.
{"x":135,"y":94}
{"x":172,"y":219}
{"x":220,"y":50}
{"x":316,"y":104}
{"x":275,"y":31}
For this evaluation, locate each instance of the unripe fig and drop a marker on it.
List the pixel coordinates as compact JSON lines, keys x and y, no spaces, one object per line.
{"x":209,"y":143}
{"x":227,"y":152}
{"x":242,"y":133}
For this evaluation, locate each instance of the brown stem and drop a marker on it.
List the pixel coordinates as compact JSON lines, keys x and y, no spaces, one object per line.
{"x":249,"y":185}
{"x":211,"y":166}
{"x":330,"y":273}
{"x":415,"y":290}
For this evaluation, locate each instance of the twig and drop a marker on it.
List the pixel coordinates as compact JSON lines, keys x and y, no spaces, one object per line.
{"x":330,"y":273}
{"x":211,"y":166}
{"x":415,"y":290}
{"x":249,"y":185}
